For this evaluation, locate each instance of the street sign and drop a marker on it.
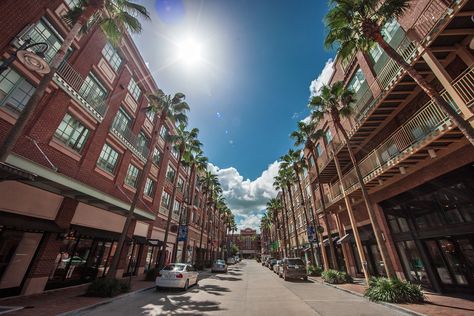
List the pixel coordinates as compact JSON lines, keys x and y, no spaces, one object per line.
{"x":310,"y":232}
{"x":183,"y":233}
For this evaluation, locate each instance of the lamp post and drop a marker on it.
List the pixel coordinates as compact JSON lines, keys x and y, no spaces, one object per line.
{"x":32,"y":60}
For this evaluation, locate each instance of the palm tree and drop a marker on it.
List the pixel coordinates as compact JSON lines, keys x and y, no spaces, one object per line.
{"x":115,"y":17}
{"x":336,"y":102}
{"x":198,"y":164}
{"x":307,"y":135}
{"x":278,"y":185}
{"x":164,"y":108}
{"x":288,"y":179}
{"x":265,"y":227}
{"x":357,"y":25}
{"x":185,"y":142}
{"x":295,"y":160}
{"x":274,"y":205}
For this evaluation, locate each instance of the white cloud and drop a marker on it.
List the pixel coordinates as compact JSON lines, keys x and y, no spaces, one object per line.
{"x":246,"y":198}
{"x":323,"y":78}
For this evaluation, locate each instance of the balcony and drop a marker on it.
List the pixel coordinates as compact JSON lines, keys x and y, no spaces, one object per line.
{"x":126,"y":136}
{"x":67,"y":78}
{"x":427,"y":125}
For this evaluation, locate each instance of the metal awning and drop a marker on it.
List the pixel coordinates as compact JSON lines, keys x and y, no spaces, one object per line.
{"x":9,"y":172}
{"x":21,"y":222}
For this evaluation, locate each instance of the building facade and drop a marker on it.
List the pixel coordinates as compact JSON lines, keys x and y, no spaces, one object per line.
{"x":248,"y":242}
{"x":67,"y":185}
{"x":416,"y":164}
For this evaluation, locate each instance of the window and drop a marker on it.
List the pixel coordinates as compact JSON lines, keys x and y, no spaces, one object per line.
{"x":174,"y":152}
{"x":143,"y":141}
{"x":163,"y":131}
{"x":72,"y":133}
{"x":15,"y":91}
{"x":131,"y":178}
{"x":376,"y":52}
{"x":72,"y":3}
{"x":108,"y":159}
{"x":170,"y":174}
{"x":156,"y":156}
{"x":319,"y":150}
{"x":150,"y":114}
{"x":328,"y":135}
{"x":122,"y":121}
{"x":389,"y":29}
{"x":165,"y":200}
{"x":112,"y":56}
{"x":149,"y":187}
{"x":93,"y":91}
{"x":176,"y":207}
{"x":44,"y":32}
{"x":134,"y":89}
{"x":180,"y":184}
{"x":357,"y":80}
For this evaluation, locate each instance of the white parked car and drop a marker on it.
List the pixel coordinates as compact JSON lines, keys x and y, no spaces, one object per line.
{"x":231,"y":260}
{"x":177,"y":275}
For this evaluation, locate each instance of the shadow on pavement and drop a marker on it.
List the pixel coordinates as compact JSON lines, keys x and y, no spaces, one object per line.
{"x":212,"y":289}
{"x":223,"y":278}
{"x":182,"y":305}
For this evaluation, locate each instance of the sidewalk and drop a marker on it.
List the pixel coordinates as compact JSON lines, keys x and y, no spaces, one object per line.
{"x":61,"y":300}
{"x":435,"y":304}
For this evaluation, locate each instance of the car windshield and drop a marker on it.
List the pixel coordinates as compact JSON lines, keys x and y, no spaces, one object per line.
{"x":220,"y":261}
{"x":295,"y":262}
{"x":174,"y":267}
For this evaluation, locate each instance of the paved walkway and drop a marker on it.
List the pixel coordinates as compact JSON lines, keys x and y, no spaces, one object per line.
{"x":247,"y":289}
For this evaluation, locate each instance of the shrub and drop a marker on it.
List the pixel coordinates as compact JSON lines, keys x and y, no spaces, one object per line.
{"x":314,"y":270}
{"x":151,"y":274}
{"x":336,"y":277}
{"x":393,"y":291}
{"x":106,"y":287}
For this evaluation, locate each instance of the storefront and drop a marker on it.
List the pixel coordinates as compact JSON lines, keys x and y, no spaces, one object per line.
{"x":84,"y":255}
{"x":433,"y":230}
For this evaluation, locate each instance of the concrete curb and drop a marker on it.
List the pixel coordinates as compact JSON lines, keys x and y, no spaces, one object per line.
{"x":388,"y":305}
{"x":81,"y":310}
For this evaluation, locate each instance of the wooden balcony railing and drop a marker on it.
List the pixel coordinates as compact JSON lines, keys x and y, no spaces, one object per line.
{"x":464,"y":86}
{"x":432,"y":13}
{"x":130,"y":140}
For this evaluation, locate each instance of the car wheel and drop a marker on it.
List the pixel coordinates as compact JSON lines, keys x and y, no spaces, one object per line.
{"x":284,"y":277}
{"x":186,"y":285}
{"x":279,"y":274}
{"x":305,"y":278}
{"x":158,"y":288}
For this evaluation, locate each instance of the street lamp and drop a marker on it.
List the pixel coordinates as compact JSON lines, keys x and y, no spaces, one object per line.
{"x":32,"y":60}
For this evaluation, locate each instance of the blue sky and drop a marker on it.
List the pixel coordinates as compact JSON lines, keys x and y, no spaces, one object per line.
{"x":259,"y":58}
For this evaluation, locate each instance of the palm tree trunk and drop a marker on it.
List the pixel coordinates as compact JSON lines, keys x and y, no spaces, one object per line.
{"x":278,"y":231}
{"x":455,"y":117}
{"x":308,"y":222}
{"x":368,"y":204}
{"x":142,"y":176}
{"x":323,"y":208}
{"x":294,"y":220}
{"x":288,"y":251}
{"x":189,"y":200}
{"x":203,"y":208}
{"x":170,"y":212}
{"x":17,"y":130}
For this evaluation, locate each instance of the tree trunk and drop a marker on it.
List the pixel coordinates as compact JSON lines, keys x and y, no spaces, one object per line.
{"x":142,"y":176}
{"x":201,"y":252}
{"x":455,"y":117}
{"x":368,"y":204}
{"x":189,"y":205}
{"x":289,"y":251}
{"x":293,"y":214}
{"x":308,"y":222}
{"x":17,"y":130}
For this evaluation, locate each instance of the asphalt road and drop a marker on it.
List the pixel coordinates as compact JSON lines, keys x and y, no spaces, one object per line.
{"x":247,"y":289}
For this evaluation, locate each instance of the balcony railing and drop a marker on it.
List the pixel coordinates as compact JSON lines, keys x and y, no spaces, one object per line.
{"x":433,"y":12}
{"x":71,"y":82}
{"x":130,"y":140}
{"x":464,"y":84}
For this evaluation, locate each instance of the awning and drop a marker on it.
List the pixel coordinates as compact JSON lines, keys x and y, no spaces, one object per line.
{"x":344,"y":239}
{"x":27,"y":223}
{"x":9,"y":172}
{"x":95,"y":233}
{"x":155,"y":242}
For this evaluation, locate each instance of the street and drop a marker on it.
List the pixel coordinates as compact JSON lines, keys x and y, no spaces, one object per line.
{"x":247,"y":289}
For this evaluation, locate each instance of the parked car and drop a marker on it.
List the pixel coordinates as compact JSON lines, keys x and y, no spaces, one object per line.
{"x":271,"y":263}
{"x":219,"y":266}
{"x":177,"y":275}
{"x":231,"y":260}
{"x":237,"y":259}
{"x":293,"y":268}
{"x":276,"y":266}
{"x":267,"y":262}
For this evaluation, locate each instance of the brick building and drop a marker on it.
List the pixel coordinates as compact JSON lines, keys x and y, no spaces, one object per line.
{"x":67,"y":185}
{"x":417,"y":166}
{"x":248,"y":242}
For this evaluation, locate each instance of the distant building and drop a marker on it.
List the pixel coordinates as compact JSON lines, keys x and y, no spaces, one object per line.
{"x":248,"y":242}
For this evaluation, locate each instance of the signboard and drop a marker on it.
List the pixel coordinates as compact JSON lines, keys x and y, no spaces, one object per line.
{"x":183,"y":233}
{"x":311,"y":231}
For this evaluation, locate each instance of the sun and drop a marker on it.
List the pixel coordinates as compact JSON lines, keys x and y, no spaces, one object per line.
{"x":190,"y":52}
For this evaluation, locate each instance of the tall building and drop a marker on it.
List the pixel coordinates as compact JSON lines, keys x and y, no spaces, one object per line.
{"x":248,"y":242}
{"x":67,"y":185}
{"x":416,"y":164}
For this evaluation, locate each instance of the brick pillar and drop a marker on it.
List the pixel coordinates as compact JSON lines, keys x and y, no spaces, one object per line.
{"x":122,"y":265}
{"x":142,"y":260}
{"x":350,"y":264}
{"x":44,"y":261}
{"x":392,"y":252}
